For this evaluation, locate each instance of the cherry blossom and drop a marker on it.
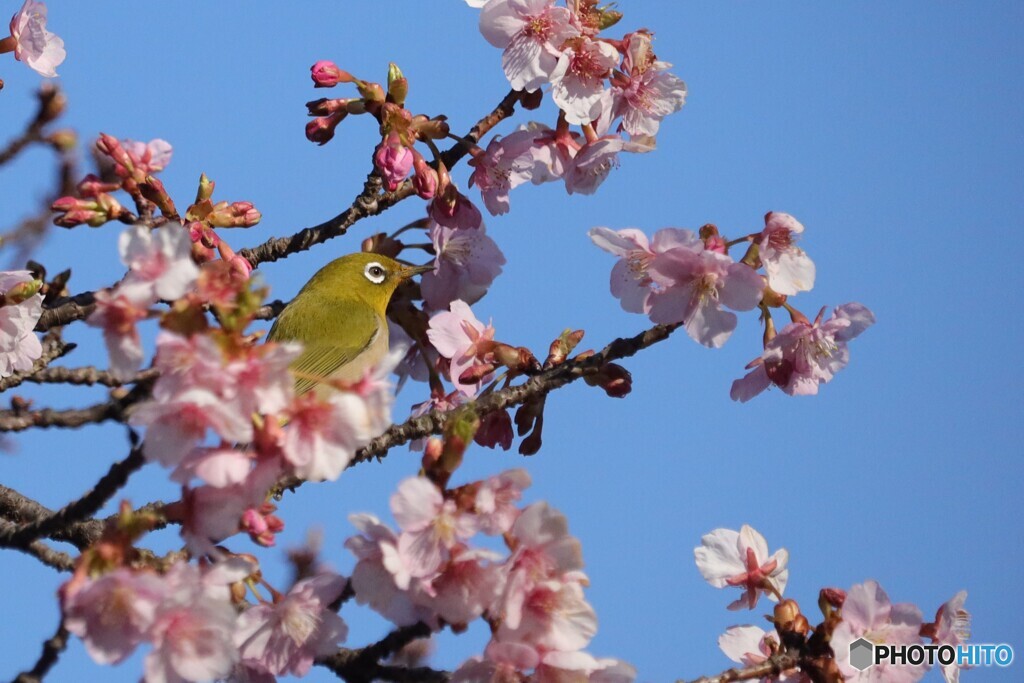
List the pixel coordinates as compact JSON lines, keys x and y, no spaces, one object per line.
{"x":285,"y":637}
{"x":730,"y":558}
{"x":213,"y":513}
{"x":695,"y":285}
{"x":19,"y":345}
{"x":630,"y":279}
{"x":467,"y":586}
{"x":324,"y":433}
{"x":149,"y":157}
{"x":113,"y":613}
{"x":952,"y":626}
{"x":580,"y":90}
{"x":646,"y":92}
{"x":467,"y":262}
{"x":592,"y":163}
{"x":42,"y":50}
{"x":788,"y":268}
{"x":560,"y":667}
{"x":501,"y":663}
{"x":430,"y":525}
{"x":496,"y":498}
{"x":531,"y":33}
{"x":752,"y":645}
{"x":118,"y":315}
{"x":393,"y":160}
{"x":506,"y":163}
{"x":554,"y":615}
{"x":460,"y":337}
{"x":805,"y":355}
{"x":868,"y":613}
{"x":160,"y":262}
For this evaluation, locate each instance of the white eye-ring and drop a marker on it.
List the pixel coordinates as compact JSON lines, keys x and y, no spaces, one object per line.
{"x":375,"y":272}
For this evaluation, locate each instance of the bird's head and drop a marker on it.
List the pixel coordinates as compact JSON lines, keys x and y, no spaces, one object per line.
{"x":369,"y":277}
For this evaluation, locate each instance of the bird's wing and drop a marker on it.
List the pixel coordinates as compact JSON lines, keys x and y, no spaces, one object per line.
{"x":323,"y":353}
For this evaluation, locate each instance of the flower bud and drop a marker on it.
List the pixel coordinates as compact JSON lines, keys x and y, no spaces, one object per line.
{"x":393,"y":161}
{"x":20,"y":292}
{"x":321,"y":130}
{"x":372,"y":92}
{"x":326,"y":106}
{"x":205,"y":190}
{"x":52,"y":103}
{"x":616,"y":380}
{"x":785,"y":613}
{"x":91,"y":185}
{"x":326,"y":74}
{"x":424,"y":180}
{"x":234,"y":215}
{"x":436,"y":128}
{"x":63,"y":140}
{"x":204,"y":241}
{"x":153,"y":190}
{"x":398,"y":85}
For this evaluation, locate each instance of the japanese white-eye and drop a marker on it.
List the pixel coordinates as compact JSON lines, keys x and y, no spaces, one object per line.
{"x":339,"y":317}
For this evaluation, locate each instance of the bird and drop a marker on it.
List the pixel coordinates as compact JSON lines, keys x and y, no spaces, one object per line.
{"x":339,"y":317}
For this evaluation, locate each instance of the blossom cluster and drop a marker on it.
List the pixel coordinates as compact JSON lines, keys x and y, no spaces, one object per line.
{"x":532,"y":597}
{"x":21,"y":304}
{"x":200,"y":625}
{"x":31,"y":42}
{"x":727,"y":558}
{"x":682,"y":277}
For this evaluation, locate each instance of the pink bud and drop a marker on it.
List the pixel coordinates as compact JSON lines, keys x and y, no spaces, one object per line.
{"x":425,"y":180}
{"x":326,"y":74}
{"x":394,"y":161}
{"x":91,"y":185}
{"x":321,"y":130}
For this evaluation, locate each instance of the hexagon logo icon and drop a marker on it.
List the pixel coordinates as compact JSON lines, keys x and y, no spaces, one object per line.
{"x":862,"y":653}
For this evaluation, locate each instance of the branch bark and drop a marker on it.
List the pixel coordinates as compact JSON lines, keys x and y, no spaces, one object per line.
{"x":773,"y":666}
{"x":52,"y":649}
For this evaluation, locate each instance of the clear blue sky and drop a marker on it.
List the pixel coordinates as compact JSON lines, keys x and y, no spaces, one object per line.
{"x":893,"y":131}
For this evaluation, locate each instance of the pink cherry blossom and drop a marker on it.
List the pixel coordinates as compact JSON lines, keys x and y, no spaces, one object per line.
{"x":263,"y":380}
{"x":631,"y":282}
{"x":805,"y":355}
{"x":118,"y":315}
{"x":113,"y":613}
{"x":19,"y":345}
{"x":868,"y":613}
{"x":431,"y":525}
{"x":285,"y":637}
{"x":496,"y":498}
{"x":452,"y":209}
{"x":468,"y":585}
{"x":531,"y":32}
{"x":192,"y":633}
{"x":695,"y":285}
{"x":952,"y":626}
{"x":560,"y":667}
{"x":218,"y":467}
{"x":149,"y":157}
{"x":592,"y":163}
{"x":394,"y":161}
{"x":648,"y":92}
{"x":507,"y":163}
{"x":788,"y":268}
{"x":730,"y":558}
{"x":580,"y":89}
{"x":501,"y":663}
{"x":160,"y":262}
{"x":467,"y":262}
{"x":460,"y":337}
{"x":42,"y":50}
{"x":749,"y":646}
{"x":324,"y":433}
{"x":373,"y":582}
{"x":554,"y":615}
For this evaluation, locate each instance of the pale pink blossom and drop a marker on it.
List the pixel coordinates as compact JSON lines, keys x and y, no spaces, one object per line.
{"x":466,"y":264}
{"x":952,"y":626}
{"x":580,"y":89}
{"x":460,"y":337}
{"x":218,"y":467}
{"x":507,"y":163}
{"x":213,"y":513}
{"x":118,"y":315}
{"x":647,"y":92}
{"x":285,"y":637}
{"x":160,"y":262}
{"x":495,"y":502}
{"x":696,"y":285}
{"x":324,"y":433}
{"x":452,"y":209}
{"x":788,"y":268}
{"x":631,"y":282}
{"x":531,"y":32}
{"x":730,"y":558}
{"x":431,"y":526}
{"x":377,"y":393}
{"x":192,"y":633}
{"x":568,"y":667}
{"x":42,"y":50}
{"x":805,"y":355}
{"x":477,"y":4}
{"x":149,"y":157}
{"x":373,"y":582}
{"x":592,"y":163}
{"x":19,"y":345}
{"x":752,"y":645}
{"x":113,"y":613}
{"x":393,"y":160}
{"x":263,"y":379}
{"x":501,"y":663}
{"x":868,"y":613}
{"x":468,"y":585}
{"x":549,"y":153}
{"x":554,"y":615}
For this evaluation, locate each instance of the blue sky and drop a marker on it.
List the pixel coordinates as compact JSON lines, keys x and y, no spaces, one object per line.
{"x":893,"y":131}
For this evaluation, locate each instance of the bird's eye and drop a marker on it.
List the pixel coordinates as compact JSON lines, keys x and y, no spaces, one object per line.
{"x":374,"y":272}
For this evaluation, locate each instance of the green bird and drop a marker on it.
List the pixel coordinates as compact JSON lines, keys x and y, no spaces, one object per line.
{"x":339,"y":317}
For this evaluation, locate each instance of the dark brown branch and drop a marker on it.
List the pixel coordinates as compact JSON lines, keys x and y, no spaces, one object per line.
{"x":371,"y":201}
{"x":67,"y":310}
{"x":364,"y":664}
{"x":52,"y":649}
{"x":773,"y":666}
{"x":62,"y":562}
{"x":86,"y":376}
{"x":22,"y":510}
{"x":53,"y":348}
{"x":79,"y":510}
{"x":18,"y":419}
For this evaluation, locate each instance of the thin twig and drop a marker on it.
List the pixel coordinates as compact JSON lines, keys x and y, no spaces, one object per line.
{"x":19,"y":419}
{"x":773,"y":666}
{"x":364,"y":664}
{"x":87,"y":376}
{"x":52,"y":649}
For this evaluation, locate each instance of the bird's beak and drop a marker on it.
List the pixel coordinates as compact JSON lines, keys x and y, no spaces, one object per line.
{"x":408,"y":271}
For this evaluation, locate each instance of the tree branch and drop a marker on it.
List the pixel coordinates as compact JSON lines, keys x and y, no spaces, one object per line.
{"x":76,"y":511}
{"x":86,"y":376}
{"x":19,"y":419}
{"x":21,"y":510}
{"x":773,"y":666}
{"x":62,"y":562}
{"x":363,"y":665}
{"x":52,"y":649}
{"x":53,"y":348}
